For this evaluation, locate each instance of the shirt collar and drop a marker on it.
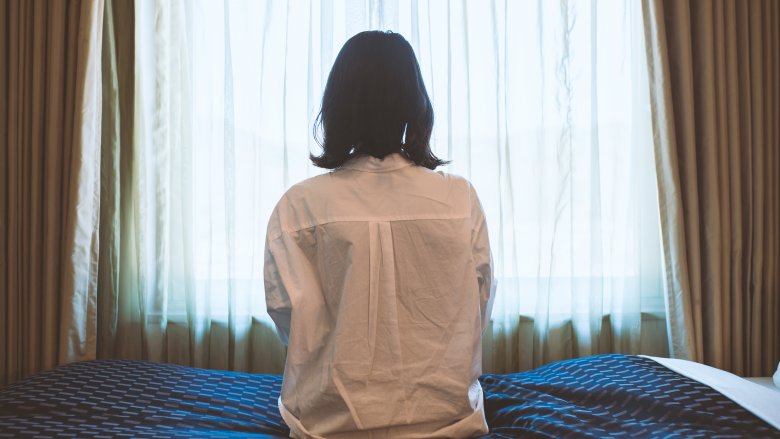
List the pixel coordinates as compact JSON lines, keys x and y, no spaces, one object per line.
{"x":368,"y":163}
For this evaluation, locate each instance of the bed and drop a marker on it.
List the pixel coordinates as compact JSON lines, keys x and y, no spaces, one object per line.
{"x":600,"y":396}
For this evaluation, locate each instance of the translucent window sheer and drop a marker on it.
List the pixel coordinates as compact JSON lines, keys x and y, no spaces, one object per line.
{"x":542,"y":105}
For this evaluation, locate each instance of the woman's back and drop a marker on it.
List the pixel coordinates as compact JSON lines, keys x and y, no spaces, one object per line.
{"x":378,"y":275}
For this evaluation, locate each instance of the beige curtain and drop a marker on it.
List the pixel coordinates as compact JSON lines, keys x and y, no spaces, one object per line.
{"x":155,"y":303}
{"x":714,"y":69}
{"x":49,"y":164}
{"x":118,"y":69}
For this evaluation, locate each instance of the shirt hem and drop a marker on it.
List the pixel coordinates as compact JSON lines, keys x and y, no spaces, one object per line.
{"x":472,"y":425}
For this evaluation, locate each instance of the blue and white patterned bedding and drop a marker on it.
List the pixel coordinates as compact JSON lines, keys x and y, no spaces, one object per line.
{"x":602,"y":396}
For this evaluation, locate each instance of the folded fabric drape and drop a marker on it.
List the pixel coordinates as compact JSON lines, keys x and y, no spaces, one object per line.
{"x":49,"y":195}
{"x":116,"y":174}
{"x":714,"y":69}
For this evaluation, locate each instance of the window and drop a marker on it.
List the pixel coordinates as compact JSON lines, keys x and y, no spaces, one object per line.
{"x":542,"y":105}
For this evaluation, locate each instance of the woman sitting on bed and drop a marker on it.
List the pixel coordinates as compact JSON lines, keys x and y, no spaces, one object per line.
{"x":378,"y":274}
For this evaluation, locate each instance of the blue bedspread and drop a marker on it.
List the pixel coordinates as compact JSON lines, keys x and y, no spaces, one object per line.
{"x":602,"y":396}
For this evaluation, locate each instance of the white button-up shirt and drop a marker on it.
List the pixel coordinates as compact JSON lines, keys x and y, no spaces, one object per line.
{"x":378,"y":276}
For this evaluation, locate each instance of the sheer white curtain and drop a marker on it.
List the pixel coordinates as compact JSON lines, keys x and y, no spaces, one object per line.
{"x":542,"y":105}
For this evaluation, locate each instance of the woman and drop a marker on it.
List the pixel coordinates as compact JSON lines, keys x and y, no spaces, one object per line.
{"x":378,"y":274}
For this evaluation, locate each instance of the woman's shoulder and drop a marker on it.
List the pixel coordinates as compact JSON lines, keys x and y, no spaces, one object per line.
{"x":305,"y":189}
{"x":455,"y":180}
{"x":294,"y":206}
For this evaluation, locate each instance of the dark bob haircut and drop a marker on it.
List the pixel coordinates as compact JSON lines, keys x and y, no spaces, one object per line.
{"x":375,"y":103}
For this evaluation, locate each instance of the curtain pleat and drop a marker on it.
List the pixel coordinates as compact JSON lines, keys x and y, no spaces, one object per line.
{"x":714,"y":70}
{"x":49,"y":193}
{"x":118,"y":66}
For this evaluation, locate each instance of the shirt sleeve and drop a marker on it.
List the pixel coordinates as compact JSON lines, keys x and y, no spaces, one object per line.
{"x":483,"y":259}
{"x":277,"y":295}
{"x":277,"y":300}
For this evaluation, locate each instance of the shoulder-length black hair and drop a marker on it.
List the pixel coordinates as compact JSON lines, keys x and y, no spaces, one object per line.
{"x":375,"y":103}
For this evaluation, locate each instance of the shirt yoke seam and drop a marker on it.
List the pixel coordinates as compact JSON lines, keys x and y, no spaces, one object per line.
{"x":365,"y":219}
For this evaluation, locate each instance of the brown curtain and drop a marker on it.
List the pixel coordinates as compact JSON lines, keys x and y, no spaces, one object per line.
{"x":49,"y":164}
{"x":714,"y":73}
